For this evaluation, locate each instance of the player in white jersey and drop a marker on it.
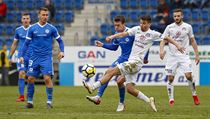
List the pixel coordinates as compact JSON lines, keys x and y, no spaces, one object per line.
{"x":183,"y":34}
{"x":144,"y":38}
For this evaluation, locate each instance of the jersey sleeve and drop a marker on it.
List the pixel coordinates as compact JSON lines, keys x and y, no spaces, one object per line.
{"x":55,"y":33}
{"x":16,"y":37}
{"x":132,"y":31}
{"x":165,"y":33}
{"x":156,"y":36}
{"x":29,"y":34}
{"x":191,"y":32}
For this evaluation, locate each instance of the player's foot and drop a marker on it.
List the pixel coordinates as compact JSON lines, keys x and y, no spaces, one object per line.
{"x":20,"y":99}
{"x":120,"y":107}
{"x":29,"y":106}
{"x":49,"y":106}
{"x":95,"y":99}
{"x":171,"y":102}
{"x":196,"y":100}
{"x":152,"y":104}
{"x":87,"y":87}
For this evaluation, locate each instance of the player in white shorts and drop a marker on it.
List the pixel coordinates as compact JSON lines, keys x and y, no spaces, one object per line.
{"x":144,"y":38}
{"x":183,"y":34}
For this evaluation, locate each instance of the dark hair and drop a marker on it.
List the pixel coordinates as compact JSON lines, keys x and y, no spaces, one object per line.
{"x":119,"y":18}
{"x":146,"y":18}
{"x":25,"y":14}
{"x":43,"y":9}
{"x":178,"y":10}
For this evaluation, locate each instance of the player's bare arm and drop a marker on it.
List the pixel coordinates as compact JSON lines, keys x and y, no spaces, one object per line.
{"x":195,"y":47}
{"x":99,"y":43}
{"x":162,"y":52}
{"x":13,"y":48}
{"x":118,"y":35}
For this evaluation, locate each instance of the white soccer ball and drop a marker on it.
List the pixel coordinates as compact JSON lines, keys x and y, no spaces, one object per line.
{"x":88,"y":70}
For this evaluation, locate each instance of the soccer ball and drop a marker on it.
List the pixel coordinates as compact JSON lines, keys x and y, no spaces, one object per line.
{"x":88,"y":70}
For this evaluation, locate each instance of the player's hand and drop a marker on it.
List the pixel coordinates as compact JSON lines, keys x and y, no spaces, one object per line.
{"x":61,"y":55}
{"x":109,"y":38}
{"x":98,"y":43}
{"x":162,"y":55}
{"x":21,"y":60}
{"x":181,"y":49}
{"x":10,"y":62}
{"x":197,"y":60}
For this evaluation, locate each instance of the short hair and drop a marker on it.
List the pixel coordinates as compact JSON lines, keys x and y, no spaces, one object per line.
{"x":25,"y":14}
{"x":146,"y":18}
{"x":178,"y":10}
{"x":119,"y":18}
{"x":43,"y":9}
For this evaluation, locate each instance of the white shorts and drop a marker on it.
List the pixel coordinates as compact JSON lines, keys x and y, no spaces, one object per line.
{"x":130,"y":70}
{"x":173,"y":62}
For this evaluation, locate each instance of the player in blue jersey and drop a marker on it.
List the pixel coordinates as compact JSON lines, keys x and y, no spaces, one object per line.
{"x":41,"y":35}
{"x":19,"y":39}
{"x":125,"y":43}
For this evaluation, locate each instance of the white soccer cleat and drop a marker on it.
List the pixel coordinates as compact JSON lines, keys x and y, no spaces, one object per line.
{"x":120,"y":107}
{"x":90,"y":90}
{"x":95,"y":99}
{"x":152,"y":104}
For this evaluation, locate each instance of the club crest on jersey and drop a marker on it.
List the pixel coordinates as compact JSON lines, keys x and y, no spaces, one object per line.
{"x":47,"y":31}
{"x":127,"y":39}
{"x":147,"y":35}
{"x":184,"y":29}
{"x":142,"y":37}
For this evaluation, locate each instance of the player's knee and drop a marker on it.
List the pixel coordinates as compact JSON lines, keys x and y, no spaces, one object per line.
{"x":188,"y":76}
{"x":130,"y":89}
{"x":48,"y":80}
{"x":120,"y":81}
{"x":31,"y":79}
{"x":22,"y":74}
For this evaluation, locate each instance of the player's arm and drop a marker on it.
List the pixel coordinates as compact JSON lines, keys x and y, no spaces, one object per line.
{"x":109,"y":46}
{"x":13,"y":48}
{"x":61,"y":46}
{"x":195,"y":47}
{"x":118,"y":35}
{"x":170,"y":40}
{"x":162,"y":52}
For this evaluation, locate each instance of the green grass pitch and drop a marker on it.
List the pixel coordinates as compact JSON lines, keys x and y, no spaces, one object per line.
{"x":70,"y":103}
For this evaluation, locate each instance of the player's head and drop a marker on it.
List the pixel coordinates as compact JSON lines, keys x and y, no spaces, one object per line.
{"x":145,"y":22}
{"x":25,"y":19}
{"x":43,"y":15}
{"x":178,"y":15}
{"x":119,"y":23}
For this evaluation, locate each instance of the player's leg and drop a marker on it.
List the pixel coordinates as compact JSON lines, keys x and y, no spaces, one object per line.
{"x":121,"y":88}
{"x":47,"y":70}
{"x":21,"y":85}
{"x":30,"y":91}
{"x":138,"y":94}
{"x":171,"y":66}
{"x":106,"y":77}
{"x":186,"y":66}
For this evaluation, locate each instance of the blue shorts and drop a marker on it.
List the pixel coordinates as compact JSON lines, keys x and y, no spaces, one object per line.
{"x":23,"y":66}
{"x":40,"y":64}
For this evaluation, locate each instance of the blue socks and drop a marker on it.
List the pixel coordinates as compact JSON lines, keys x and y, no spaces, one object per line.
{"x":21,"y":84}
{"x":122,"y":94}
{"x":30,"y":92}
{"x":102,"y":89}
{"x":49,"y":92}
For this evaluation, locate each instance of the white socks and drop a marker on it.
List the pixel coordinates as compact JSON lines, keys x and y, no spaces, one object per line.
{"x":143,"y":97}
{"x":192,"y":86}
{"x":96,"y":85}
{"x":170,"y":90}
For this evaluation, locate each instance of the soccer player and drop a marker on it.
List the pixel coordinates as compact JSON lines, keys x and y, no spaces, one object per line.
{"x":41,"y":35}
{"x":144,"y":38}
{"x":19,"y":39}
{"x":125,"y":44}
{"x":182,"y":33}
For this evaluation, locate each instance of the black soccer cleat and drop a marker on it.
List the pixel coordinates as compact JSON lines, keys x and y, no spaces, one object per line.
{"x":29,"y":106}
{"x":49,"y":106}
